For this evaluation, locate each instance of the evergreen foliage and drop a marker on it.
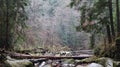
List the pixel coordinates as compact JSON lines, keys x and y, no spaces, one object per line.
{"x":12,"y":22}
{"x":98,"y":16}
{"x":94,"y":14}
{"x":104,"y":15}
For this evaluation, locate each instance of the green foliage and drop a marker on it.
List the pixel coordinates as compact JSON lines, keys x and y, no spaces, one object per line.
{"x":94,"y":18}
{"x":106,"y":50}
{"x":94,"y":15}
{"x":12,"y":21}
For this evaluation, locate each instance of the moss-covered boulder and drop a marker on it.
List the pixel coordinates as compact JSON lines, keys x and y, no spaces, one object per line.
{"x":18,"y":63}
{"x":7,"y":61}
{"x":101,"y":62}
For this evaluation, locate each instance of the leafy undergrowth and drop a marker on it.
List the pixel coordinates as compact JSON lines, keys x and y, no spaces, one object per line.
{"x":51,"y":48}
{"x":108,"y":50}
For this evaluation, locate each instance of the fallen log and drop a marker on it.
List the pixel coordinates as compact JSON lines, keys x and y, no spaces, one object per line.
{"x":48,"y":57}
{"x":24,"y":56}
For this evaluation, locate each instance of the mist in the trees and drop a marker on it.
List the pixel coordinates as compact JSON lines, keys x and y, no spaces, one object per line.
{"x":53,"y":22}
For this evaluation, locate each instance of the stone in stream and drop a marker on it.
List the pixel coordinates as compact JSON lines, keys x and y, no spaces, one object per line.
{"x":98,"y":62}
{"x":90,"y":65}
{"x":47,"y":65}
{"x":109,"y":63}
{"x":42,"y":64}
{"x":94,"y":65}
{"x":68,"y":63}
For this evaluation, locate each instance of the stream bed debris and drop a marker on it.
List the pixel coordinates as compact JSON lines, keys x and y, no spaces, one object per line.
{"x":45,"y":61}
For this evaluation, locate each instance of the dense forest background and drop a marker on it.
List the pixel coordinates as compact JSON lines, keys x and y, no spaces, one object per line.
{"x":53,"y":22}
{"x":43,"y":23}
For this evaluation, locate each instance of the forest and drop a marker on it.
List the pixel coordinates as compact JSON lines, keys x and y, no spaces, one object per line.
{"x":59,"y":33}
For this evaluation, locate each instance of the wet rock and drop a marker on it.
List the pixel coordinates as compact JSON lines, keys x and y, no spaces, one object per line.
{"x":90,"y":65}
{"x":19,"y":63}
{"x":68,"y":65}
{"x":100,"y":62}
{"x":47,"y":65}
{"x":80,"y":66}
{"x":94,"y":65}
{"x":109,"y":63}
{"x":42,"y":64}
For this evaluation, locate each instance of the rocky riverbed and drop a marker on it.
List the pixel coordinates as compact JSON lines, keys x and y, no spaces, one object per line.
{"x":88,"y":62}
{"x":55,"y":61}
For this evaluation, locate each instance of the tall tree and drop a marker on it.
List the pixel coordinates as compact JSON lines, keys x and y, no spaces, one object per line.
{"x":12,"y":21}
{"x":111,"y":18}
{"x":118,"y":18}
{"x":95,"y":19}
{"x":7,"y":24}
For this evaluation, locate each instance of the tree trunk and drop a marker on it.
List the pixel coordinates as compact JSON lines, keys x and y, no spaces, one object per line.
{"x":7,"y":28}
{"x":111,"y":20}
{"x":92,"y":40}
{"x":108,"y":34}
{"x":118,"y":20}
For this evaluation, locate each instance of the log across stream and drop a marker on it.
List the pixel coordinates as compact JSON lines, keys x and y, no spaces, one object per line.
{"x":25,"y":56}
{"x":39,"y":60}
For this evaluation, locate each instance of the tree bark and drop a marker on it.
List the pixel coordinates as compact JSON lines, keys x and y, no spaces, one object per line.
{"x":92,"y":40}
{"x":111,"y":19}
{"x":108,"y":34}
{"x":118,"y":20}
{"x":7,"y":28}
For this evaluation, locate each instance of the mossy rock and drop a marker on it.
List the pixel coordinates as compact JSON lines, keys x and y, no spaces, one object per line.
{"x":105,"y":62}
{"x":69,"y":61}
{"x":93,"y":60}
{"x":19,"y":63}
{"x":87,"y":60}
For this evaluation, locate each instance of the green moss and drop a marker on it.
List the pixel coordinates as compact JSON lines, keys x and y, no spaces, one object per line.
{"x":101,"y":61}
{"x":19,"y":63}
{"x":108,"y":51}
{"x":118,"y":39}
{"x":88,"y":60}
{"x":116,"y":64}
{"x":69,"y":61}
